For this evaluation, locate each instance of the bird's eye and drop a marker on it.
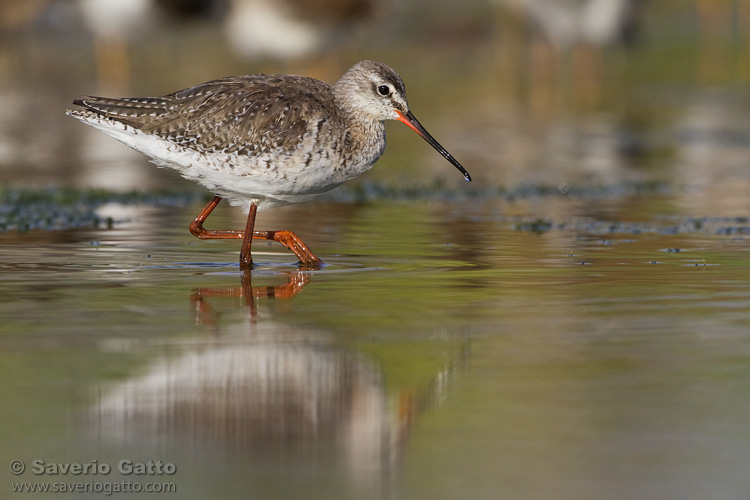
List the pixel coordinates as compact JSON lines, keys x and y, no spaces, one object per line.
{"x":384,"y":90}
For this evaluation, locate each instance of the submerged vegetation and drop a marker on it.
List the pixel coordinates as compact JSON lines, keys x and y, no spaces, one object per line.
{"x":52,"y":209}
{"x":58,"y":208}
{"x":25,"y":209}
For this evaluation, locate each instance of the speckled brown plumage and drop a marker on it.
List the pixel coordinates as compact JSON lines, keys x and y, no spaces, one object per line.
{"x":263,"y":140}
{"x":242,"y":114}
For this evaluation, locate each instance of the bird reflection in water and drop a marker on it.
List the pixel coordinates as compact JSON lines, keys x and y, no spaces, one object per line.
{"x":207,"y":315}
{"x":284,"y":391}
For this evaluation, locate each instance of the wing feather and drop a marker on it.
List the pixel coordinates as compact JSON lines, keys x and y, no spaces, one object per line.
{"x":246,"y":114}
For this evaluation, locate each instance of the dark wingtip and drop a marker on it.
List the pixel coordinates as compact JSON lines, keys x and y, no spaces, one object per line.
{"x":79,"y":102}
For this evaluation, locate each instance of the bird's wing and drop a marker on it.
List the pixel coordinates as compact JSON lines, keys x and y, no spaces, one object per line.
{"x":247,"y":114}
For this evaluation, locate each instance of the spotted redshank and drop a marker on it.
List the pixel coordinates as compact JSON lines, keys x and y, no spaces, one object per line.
{"x":262,"y":141}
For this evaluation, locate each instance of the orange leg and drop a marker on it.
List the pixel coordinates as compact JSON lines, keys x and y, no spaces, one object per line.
{"x":246,"y":260}
{"x":293,"y":243}
{"x":286,"y":238}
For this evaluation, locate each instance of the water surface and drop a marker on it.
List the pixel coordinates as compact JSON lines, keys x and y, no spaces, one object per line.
{"x":433,"y":355}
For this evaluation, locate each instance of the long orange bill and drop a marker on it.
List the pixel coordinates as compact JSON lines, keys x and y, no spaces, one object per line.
{"x":409,"y":119}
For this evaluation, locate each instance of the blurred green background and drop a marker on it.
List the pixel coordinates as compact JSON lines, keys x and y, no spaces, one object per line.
{"x":525,"y":91}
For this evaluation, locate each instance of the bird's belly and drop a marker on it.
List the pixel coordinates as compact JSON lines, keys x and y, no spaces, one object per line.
{"x":275,"y":177}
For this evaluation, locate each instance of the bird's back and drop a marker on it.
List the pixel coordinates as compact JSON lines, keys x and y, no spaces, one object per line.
{"x":243,"y":114}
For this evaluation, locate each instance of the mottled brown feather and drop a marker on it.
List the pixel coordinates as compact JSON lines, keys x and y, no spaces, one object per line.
{"x":244,"y":114}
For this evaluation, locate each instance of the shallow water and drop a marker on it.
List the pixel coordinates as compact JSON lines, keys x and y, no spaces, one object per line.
{"x":575,"y":323}
{"x":443,"y":350}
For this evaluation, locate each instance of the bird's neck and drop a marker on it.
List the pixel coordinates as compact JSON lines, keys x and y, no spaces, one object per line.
{"x":365,"y":134}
